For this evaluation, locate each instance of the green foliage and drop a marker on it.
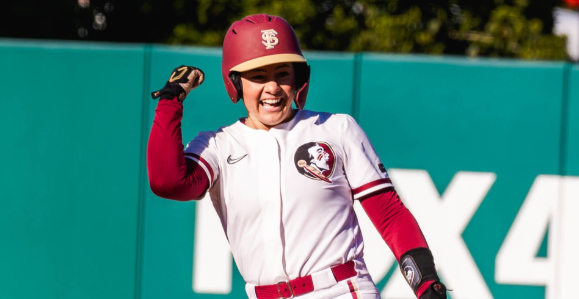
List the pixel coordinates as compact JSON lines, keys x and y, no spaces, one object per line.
{"x":508,"y":33}
{"x":405,"y":32}
{"x":485,"y":28}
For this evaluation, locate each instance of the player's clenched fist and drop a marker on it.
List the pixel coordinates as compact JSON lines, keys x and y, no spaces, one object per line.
{"x":182,"y":81}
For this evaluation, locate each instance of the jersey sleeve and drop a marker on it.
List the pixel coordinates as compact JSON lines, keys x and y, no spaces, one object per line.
{"x":203,"y":150}
{"x":365,"y":172}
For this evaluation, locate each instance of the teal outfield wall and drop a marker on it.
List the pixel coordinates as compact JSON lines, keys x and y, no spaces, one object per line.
{"x":79,"y":221}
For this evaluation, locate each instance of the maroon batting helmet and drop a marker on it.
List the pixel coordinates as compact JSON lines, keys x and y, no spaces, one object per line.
{"x":259,"y":40}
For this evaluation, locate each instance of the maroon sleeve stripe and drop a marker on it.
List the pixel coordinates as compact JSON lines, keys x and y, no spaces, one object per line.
{"x":374,"y":193}
{"x":205,"y":163}
{"x":370,"y":185}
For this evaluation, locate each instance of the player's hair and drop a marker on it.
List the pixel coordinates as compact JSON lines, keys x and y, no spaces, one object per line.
{"x":235,"y":78}
{"x":300,"y":69}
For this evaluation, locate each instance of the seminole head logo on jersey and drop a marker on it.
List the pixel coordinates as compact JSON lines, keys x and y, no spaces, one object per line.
{"x":316,"y":161}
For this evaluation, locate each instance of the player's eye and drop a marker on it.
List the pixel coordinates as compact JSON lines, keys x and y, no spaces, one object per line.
{"x":257,"y":77}
{"x":283,"y":74}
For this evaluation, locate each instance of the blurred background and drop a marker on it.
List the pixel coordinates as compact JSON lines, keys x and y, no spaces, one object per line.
{"x":497,"y":28}
{"x":473,"y":106}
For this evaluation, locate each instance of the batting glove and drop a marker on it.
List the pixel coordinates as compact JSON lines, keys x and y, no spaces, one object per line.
{"x":436,"y":291}
{"x":182,"y":81}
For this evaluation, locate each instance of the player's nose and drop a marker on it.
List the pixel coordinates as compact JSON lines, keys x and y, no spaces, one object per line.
{"x":272,"y":87}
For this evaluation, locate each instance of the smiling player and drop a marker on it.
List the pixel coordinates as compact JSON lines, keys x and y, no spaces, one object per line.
{"x":283,"y":181}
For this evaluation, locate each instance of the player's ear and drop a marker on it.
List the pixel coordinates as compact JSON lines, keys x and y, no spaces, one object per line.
{"x":235,"y":78}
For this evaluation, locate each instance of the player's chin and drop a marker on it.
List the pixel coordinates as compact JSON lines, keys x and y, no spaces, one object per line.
{"x":275,"y":117}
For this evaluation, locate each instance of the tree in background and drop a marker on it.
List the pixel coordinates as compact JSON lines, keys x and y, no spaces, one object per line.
{"x":509,"y":33}
{"x":475,"y":28}
{"x":497,"y":28}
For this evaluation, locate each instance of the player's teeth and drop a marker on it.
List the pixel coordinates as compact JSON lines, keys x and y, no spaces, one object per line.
{"x":271,"y":102}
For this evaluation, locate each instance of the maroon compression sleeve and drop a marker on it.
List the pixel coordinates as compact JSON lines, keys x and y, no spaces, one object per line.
{"x":396,"y":225}
{"x":171,"y":175}
{"x":394,"y":222}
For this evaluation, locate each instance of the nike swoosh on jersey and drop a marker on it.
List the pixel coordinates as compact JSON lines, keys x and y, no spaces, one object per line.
{"x":233,"y":161}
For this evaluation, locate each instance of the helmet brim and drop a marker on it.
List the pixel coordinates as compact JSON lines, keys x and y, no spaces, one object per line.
{"x":266,"y":60}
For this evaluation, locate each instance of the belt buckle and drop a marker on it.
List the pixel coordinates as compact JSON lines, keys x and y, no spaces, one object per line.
{"x":289,"y":287}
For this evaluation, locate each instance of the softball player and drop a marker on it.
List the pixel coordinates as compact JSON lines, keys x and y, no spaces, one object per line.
{"x":283,"y":181}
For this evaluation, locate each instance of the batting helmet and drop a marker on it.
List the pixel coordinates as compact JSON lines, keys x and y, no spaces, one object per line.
{"x":259,"y":40}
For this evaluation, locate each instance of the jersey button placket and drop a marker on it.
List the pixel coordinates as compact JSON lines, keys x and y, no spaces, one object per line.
{"x":269,"y":197}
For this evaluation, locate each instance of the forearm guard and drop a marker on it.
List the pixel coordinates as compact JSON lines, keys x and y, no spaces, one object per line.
{"x":417,"y":266}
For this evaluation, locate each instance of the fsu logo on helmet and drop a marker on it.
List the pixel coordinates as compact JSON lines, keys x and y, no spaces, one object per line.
{"x":269,"y":38}
{"x":316,"y":161}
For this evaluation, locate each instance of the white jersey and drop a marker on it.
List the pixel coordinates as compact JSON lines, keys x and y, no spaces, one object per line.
{"x":285,"y":196}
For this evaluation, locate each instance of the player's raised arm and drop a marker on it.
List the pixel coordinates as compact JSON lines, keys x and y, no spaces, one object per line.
{"x":170,"y":174}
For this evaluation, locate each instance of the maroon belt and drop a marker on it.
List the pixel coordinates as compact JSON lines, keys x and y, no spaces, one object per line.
{"x":301,"y":285}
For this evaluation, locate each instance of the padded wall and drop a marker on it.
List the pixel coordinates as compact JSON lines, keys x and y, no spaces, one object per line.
{"x":572,"y":125}
{"x":71,"y":119}
{"x":446,"y":115}
{"x":79,"y":220}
